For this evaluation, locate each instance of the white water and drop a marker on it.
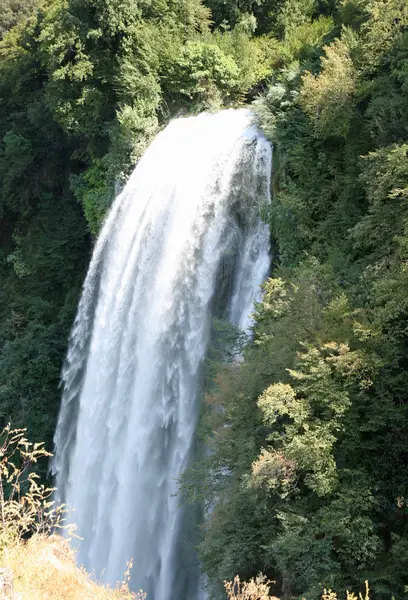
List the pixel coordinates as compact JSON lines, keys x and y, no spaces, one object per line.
{"x":189,"y":212}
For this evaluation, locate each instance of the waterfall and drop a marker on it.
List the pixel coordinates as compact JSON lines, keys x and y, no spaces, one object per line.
{"x":185,"y":226}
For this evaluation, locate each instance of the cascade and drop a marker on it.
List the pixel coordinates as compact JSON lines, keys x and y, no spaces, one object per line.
{"x":186,"y":224}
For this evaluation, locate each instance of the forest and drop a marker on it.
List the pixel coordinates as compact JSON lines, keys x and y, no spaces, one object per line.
{"x":306,"y":476}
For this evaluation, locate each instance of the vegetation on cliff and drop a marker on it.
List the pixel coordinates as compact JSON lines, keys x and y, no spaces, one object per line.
{"x":308,"y":434}
{"x":307,"y":476}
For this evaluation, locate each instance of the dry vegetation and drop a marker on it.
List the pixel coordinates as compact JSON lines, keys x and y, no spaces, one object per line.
{"x":35,"y":563}
{"x":258,"y":589}
{"x":43,"y":568}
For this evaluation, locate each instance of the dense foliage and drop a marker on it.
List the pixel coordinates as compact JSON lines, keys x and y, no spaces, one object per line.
{"x":84,"y":84}
{"x":306,"y":478}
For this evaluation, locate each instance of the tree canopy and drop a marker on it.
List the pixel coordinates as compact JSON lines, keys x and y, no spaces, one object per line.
{"x":305,"y":478}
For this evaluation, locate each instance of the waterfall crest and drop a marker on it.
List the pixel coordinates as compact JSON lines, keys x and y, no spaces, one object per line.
{"x":131,"y":377}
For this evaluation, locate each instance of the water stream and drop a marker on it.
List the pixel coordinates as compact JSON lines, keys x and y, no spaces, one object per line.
{"x":186,"y":225}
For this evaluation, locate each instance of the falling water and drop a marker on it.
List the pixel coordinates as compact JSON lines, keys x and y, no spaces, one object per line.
{"x":183,"y":237}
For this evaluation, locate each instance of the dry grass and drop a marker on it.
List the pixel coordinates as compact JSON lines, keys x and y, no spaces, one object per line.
{"x":255,"y":589}
{"x":258,"y":589}
{"x":43,"y":568}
